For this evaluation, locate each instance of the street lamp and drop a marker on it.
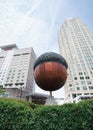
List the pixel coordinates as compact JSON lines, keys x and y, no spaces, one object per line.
{"x":21,"y":89}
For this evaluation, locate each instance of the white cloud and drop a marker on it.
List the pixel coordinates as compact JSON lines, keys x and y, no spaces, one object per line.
{"x":26,"y":24}
{"x":25,"y":28}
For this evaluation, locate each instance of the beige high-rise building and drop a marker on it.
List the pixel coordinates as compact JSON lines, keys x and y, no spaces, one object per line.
{"x":16,"y":70}
{"x":76,"y":45}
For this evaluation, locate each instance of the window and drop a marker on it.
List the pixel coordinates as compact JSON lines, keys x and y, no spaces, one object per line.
{"x":81,"y":77}
{"x":84,"y":88}
{"x":87,"y":77}
{"x":70,"y":85}
{"x":75,"y":78}
{"x":86,"y":93}
{"x":80,"y":73}
{"x":76,"y":83}
{"x":17,"y":80}
{"x":89,"y":82}
{"x":11,"y":81}
{"x":12,"y":77}
{"x":90,"y":87}
{"x":79,"y":94}
{"x":83,"y":82}
{"x":78,"y":88}
{"x":73,"y":95}
{"x":19,"y":73}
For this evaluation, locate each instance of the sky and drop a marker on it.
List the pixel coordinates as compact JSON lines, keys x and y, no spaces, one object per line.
{"x":36,"y":23}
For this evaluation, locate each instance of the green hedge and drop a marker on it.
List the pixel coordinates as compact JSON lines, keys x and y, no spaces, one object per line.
{"x":66,"y":117}
{"x":14,"y":115}
{"x":22,"y":115}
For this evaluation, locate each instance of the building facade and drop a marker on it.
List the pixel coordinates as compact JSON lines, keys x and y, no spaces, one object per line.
{"x":76,"y":45}
{"x":16,"y":70}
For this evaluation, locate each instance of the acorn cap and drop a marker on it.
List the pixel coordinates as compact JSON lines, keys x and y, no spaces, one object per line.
{"x":50,"y":57}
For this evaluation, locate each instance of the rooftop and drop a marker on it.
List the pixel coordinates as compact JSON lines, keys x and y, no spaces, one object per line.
{"x":8,"y":47}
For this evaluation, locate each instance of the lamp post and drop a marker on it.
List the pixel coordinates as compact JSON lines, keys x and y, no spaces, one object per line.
{"x":21,"y":88}
{"x":20,"y":92}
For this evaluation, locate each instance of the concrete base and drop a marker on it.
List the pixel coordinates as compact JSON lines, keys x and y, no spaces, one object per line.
{"x":50,"y":101}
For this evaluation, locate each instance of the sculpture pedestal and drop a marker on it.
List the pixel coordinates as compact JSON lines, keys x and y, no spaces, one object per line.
{"x":50,"y":100}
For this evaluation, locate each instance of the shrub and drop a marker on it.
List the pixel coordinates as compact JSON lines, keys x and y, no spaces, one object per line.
{"x":22,"y":115}
{"x":14,"y":115}
{"x":66,"y":117}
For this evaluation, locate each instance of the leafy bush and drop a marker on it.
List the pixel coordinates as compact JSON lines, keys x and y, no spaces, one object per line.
{"x":66,"y":117}
{"x":14,"y":115}
{"x":22,"y":115}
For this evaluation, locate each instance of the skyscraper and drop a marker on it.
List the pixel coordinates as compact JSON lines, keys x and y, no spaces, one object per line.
{"x":16,"y":70}
{"x":76,"y":45}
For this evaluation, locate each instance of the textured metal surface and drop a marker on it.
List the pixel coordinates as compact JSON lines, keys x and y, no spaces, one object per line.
{"x":50,"y":56}
{"x":50,"y":76}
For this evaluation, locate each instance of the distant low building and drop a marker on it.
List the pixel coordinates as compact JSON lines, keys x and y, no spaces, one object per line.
{"x":37,"y":98}
{"x":82,"y":98}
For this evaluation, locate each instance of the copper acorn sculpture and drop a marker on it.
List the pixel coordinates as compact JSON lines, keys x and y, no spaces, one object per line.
{"x":50,"y":71}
